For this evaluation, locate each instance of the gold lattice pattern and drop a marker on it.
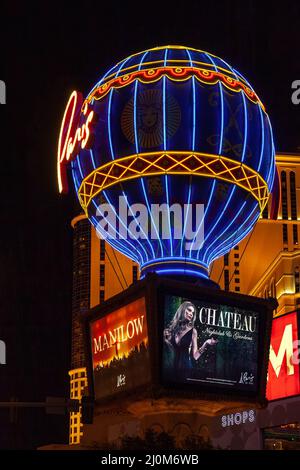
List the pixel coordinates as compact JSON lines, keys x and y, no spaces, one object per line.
{"x":173,"y":163}
{"x":78,"y":383}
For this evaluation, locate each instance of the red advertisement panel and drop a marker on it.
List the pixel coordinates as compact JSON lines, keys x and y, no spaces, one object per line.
{"x":283,"y":374}
{"x":119,"y":343}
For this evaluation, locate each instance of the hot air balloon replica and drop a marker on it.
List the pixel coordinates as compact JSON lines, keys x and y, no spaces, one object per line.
{"x":162,"y":134}
{"x":170,"y":126}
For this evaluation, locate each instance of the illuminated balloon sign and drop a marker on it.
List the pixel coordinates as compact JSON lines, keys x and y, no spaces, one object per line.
{"x":172,"y":126}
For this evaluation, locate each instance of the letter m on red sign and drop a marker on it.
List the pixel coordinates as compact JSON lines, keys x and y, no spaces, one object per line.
{"x":283,"y":372}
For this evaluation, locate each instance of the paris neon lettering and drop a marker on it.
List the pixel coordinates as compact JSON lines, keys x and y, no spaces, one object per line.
{"x":71,"y":136}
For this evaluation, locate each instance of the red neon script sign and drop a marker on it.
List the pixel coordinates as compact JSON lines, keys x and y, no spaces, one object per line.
{"x":71,"y":136}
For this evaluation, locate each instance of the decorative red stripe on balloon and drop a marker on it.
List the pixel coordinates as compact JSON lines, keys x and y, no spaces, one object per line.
{"x":176,"y":74}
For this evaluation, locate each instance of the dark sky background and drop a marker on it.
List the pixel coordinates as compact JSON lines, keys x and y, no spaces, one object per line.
{"x":46,"y":51}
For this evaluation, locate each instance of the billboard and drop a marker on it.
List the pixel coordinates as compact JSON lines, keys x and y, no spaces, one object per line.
{"x":283,"y":373}
{"x":211,"y":345}
{"x":119,"y":349}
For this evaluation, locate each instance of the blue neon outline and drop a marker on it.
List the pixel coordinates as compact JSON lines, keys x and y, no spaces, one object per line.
{"x":220,"y":148}
{"x":245,"y":111}
{"x":216,"y":223}
{"x":212,"y":188}
{"x":262,"y":146}
{"x":122,"y":249}
{"x":109,"y":111}
{"x":193,"y":148}
{"x":113,"y":208}
{"x":172,"y":271}
{"x":137,"y":151}
{"x":129,"y":231}
{"x":79,"y":166}
{"x":225,"y":249}
{"x":245,"y":128}
{"x":113,"y":242}
{"x":101,"y":79}
{"x":226,"y":228}
{"x":165,"y":148}
{"x":92,"y":157}
{"x":236,"y":236}
{"x":175,"y":258}
{"x":125,"y":249}
{"x":194,"y":102}
{"x":222,"y":105}
{"x":270,"y":183}
{"x":75,"y":179}
{"x":113,"y":157}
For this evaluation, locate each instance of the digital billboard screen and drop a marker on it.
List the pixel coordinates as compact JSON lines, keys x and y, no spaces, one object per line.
{"x":283,"y":373}
{"x":119,"y":348}
{"x":210,"y":345}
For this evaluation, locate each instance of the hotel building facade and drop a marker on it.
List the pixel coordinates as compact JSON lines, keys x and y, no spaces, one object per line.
{"x":265,"y":264}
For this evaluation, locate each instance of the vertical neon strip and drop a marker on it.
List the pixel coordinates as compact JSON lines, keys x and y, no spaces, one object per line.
{"x":109,"y":110}
{"x":113,"y":242}
{"x":120,"y":246}
{"x":109,"y":132}
{"x":137,"y":151}
{"x":237,"y":238}
{"x":164,"y":103}
{"x":245,"y":110}
{"x":221,"y":103}
{"x":225,"y":229}
{"x":245,"y":127}
{"x":218,"y":220}
{"x":194,"y":103}
{"x":193,"y":148}
{"x":262,"y":147}
{"x":165,"y":148}
{"x":113,"y":157}
{"x":121,"y":221}
{"x":100,"y":81}
{"x":122,"y":249}
{"x":205,"y":212}
{"x":76,"y":183}
{"x":92,"y":158}
{"x":270,"y":181}
{"x":220,"y":150}
{"x":79,"y":167}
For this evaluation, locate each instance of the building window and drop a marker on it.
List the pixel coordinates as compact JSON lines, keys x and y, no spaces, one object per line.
{"x":101,"y":296}
{"x":236,"y":271}
{"x":236,"y":255}
{"x":134,"y":274}
{"x":273,"y":289}
{"x":236,"y":247}
{"x":284,"y":195}
{"x":265,"y":213}
{"x":102,"y":250}
{"x":102,"y":274}
{"x":236,"y":263}
{"x":237,"y":289}
{"x":297,"y":280}
{"x":295,"y":234}
{"x":237,"y":280}
{"x":293,"y":195}
{"x":226,"y":259}
{"x":285,"y":233}
{"x":226,"y":279}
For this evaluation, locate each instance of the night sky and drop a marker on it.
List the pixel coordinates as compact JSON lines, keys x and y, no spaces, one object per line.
{"x":46,"y":52}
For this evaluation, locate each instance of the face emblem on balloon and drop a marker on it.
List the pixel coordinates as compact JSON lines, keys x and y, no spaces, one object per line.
{"x":147,"y":113}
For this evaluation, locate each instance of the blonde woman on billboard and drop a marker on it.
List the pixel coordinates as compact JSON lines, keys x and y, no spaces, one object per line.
{"x":181,"y":338}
